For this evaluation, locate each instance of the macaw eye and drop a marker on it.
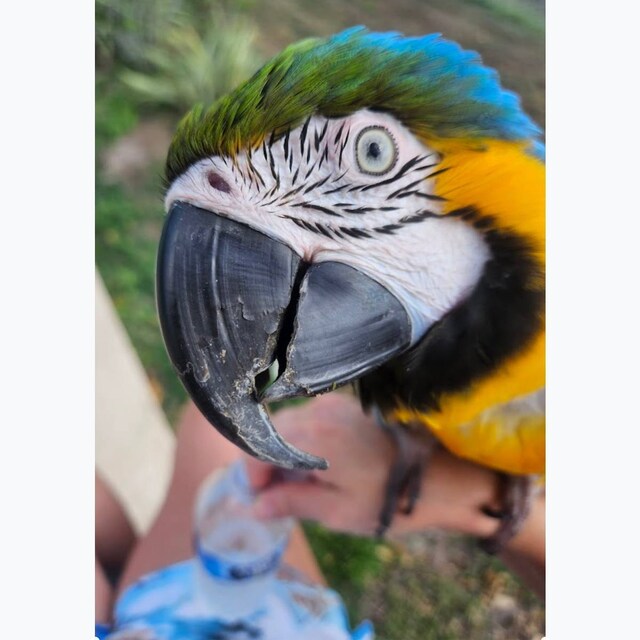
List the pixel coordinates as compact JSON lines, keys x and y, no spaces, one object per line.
{"x":376,"y":151}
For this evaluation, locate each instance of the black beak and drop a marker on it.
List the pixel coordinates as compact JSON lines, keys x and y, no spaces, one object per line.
{"x":231,"y":301}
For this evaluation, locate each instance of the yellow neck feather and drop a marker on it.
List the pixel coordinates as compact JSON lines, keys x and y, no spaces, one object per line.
{"x":501,"y":181}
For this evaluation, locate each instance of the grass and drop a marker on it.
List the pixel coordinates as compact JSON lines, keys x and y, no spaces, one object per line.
{"x":521,"y":13}
{"x":116,"y":115}
{"x":418,"y":597}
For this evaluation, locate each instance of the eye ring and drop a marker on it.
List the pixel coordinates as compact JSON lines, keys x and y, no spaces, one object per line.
{"x":376,"y":150}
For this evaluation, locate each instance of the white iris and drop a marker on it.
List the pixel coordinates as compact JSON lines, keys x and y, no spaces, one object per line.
{"x":376,"y":151}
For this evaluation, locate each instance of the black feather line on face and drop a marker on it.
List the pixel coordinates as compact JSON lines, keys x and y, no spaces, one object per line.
{"x":303,"y":135}
{"x":286,"y":145}
{"x":501,"y":316}
{"x":342,"y":148}
{"x":316,"y":207}
{"x":341,"y":188}
{"x":320,"y":136}
{"x":325,"y":155}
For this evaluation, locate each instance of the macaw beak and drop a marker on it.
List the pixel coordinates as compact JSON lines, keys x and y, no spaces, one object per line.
{"x":232,"y":301}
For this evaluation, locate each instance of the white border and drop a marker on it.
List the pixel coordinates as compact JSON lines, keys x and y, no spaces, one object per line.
{"x":46,"y":267}
{"x":47,"y":280}
{"x":593,"y":322}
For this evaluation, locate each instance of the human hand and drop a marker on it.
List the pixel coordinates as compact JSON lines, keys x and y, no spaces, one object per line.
{"x":349,"y":495}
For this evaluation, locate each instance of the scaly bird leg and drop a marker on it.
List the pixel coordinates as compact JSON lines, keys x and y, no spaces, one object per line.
{"x":517,"y":495}
{"x":405,"y":477}
{"x":414,"y":452}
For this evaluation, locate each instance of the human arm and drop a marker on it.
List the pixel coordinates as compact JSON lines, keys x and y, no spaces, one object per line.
{"x":348,"y":496}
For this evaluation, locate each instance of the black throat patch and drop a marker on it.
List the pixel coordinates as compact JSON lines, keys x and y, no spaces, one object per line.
{"x":503,"y":314}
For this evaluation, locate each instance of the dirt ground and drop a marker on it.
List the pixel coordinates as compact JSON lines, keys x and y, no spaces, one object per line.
{"x":516,"y":52}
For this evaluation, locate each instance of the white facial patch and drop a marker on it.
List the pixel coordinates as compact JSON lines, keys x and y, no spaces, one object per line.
{"x":308,"y":189}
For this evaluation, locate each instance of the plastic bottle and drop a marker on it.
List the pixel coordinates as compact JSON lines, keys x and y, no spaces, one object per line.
{"x":236,"y":585}
{"x":237,"y":555}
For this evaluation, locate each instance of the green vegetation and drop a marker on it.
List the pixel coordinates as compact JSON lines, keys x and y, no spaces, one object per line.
{"x":157,"y":59}
{"x":418,"y":597}
{"x":115,"y":115}
{"x":189,"y":68}
{"x":350,"y":563}
{"x":519,"y":12}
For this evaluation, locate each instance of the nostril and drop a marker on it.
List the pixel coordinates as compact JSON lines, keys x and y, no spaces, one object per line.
{"x":218,"y":182}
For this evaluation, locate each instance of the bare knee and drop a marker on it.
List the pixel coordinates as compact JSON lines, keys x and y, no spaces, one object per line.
{"x":104,"y":596}
{"x":200,"y":449}
{"x":115,"y":536}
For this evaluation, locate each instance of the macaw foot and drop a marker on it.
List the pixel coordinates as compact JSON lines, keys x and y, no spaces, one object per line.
{"x":405,"y":478}
{"x":517,"y":496}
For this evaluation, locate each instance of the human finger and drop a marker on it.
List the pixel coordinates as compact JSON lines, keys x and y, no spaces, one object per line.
{"x":303,"y":500}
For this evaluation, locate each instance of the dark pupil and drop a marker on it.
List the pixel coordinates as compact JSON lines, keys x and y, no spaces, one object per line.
{"x":373,"y":150}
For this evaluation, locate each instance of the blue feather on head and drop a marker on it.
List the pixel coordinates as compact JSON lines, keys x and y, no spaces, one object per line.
{"x":430,"y":84}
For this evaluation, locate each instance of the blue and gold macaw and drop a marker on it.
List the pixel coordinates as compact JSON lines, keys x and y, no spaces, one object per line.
{"x":367,"y":208}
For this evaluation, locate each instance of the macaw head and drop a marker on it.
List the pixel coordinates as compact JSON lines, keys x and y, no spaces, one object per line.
{"x":329,"y":213}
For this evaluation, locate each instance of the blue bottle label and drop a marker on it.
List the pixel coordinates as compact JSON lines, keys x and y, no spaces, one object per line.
{"x":229,"y":570}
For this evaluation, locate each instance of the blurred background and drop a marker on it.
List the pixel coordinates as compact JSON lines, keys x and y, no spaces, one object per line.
{"x":154,"y":60}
